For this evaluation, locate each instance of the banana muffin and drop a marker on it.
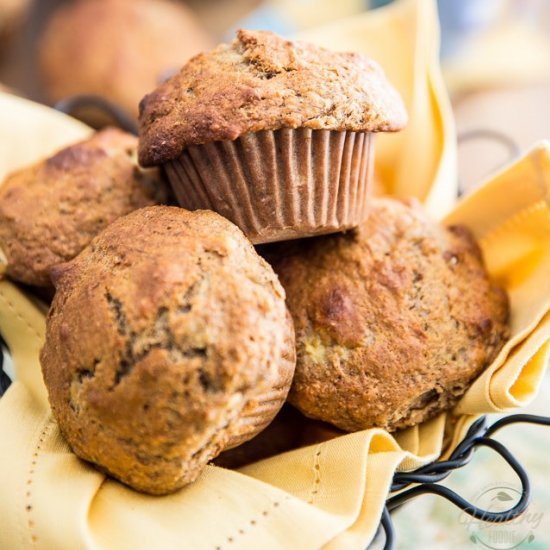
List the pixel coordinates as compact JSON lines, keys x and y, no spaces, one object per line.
{"x":51,"y":210}
{"x":168,"y":341}
{"x":393,"y":320}
{"x":117,"y":49}
{"x":275,"y":135}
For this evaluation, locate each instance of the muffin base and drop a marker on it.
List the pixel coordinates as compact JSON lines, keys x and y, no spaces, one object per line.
{"x":279,"y":185}
{"x":262,"y":408}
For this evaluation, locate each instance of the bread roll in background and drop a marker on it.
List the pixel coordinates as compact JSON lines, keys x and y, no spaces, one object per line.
{"x":5,"y":89}
{"x":51,"y":210}
{"x":117,"y":49}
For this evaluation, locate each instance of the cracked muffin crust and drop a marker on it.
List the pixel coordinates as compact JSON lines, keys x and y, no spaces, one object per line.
{"x":168,"y":340}
{"x":52,"y":209}
{"x":262,"y":81}
{"x":393,"y":320}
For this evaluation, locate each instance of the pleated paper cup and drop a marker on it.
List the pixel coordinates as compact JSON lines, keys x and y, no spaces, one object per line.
{"x":257,"y":414}
{"x":279,"y":185}
{"x":262,"y":408}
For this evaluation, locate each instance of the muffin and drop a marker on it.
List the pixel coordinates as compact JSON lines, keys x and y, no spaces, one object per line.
{"x":117,"y":49}
{"x":186,"y":347}
{"x":393,"y":320}
{"x":289,"y":430}
{"x":51,"y":210}
{"x":275,"y":135}
{"x":283,"y":434}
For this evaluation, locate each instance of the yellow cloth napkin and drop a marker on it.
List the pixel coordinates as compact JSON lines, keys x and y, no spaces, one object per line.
{"x":328,"y":495}
{"x":403,"y":37}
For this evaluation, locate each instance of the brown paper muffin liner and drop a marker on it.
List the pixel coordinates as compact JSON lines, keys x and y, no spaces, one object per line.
{"x":256,"y":415}
{"x":279,"y":185}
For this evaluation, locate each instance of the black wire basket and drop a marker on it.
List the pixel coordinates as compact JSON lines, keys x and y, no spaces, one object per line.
{"x":97,"y":112}
{"x":406,"y":485}
{"x":425,"y":480}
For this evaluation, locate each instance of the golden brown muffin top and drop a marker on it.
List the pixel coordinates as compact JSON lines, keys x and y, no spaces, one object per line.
{"x":393,"y":320}
{"x":52,"y":209}
{"x":262,"y":81}
{"x":159,"y":334}
{"x":118,"y":49}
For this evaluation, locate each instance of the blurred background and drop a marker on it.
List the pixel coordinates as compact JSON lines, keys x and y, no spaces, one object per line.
{"x":495,"y":58}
